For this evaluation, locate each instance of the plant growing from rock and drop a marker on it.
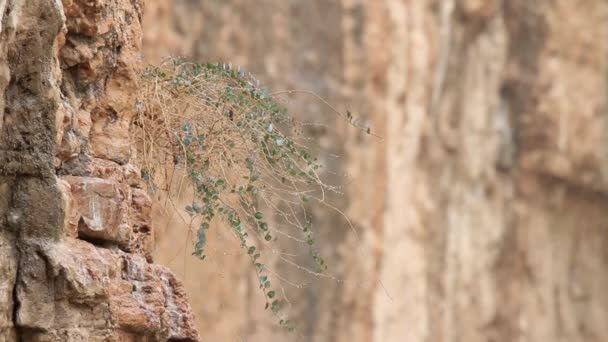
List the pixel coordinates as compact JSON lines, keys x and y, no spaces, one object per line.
{"x":243,"y":156}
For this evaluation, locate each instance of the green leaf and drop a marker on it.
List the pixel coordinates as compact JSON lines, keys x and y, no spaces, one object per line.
{"x":258,"y":215}
{"x":249,"y":163}
{"x":275,"y":306}
{"x":271,"y":294}
{"x":268,"y":237}
{"x":251,"y":250}
{"x":290,"y":326}
{"x":202,"y":239}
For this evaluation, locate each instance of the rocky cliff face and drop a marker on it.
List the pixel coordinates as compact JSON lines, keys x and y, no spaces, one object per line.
{"x":75,"y":228}
{"x":484,"y":209}
{"x":482,"y":213}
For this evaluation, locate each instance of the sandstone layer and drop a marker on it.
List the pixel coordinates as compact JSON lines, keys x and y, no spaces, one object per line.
{"x":75,"y":229}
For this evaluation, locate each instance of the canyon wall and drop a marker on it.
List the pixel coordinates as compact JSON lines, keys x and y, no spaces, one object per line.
{"x":482,"y":213}
{"x":75,"y":229}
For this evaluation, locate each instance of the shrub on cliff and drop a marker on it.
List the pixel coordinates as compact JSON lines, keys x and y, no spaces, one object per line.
{"x":243,"y":154}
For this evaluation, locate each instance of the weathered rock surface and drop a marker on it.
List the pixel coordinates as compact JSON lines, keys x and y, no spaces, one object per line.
{"x":99,"y":210}
{"x":98,"y":294}
{"x":8,"y":270}
{"x":75,"y":224}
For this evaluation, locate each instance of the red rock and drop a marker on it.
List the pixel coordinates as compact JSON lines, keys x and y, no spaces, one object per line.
{"x":100,"y":209}
{"x":99,"y":292}
{"x":75,"y":249}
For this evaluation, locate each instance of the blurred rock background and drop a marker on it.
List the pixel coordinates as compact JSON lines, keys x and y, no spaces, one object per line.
{"x":482,"y":214}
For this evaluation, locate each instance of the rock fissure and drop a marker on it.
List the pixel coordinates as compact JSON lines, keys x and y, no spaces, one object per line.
{"x":15,"y":303}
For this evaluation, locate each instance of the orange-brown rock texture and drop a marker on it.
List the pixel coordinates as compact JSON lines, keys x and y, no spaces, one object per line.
{"x":483,"y":211}
{"x":482,"y":214}
{"x":75,"y":229}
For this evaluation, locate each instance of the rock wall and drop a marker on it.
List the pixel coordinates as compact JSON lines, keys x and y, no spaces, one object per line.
{"x":75,"y":228}
{"x":483,"y":210}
